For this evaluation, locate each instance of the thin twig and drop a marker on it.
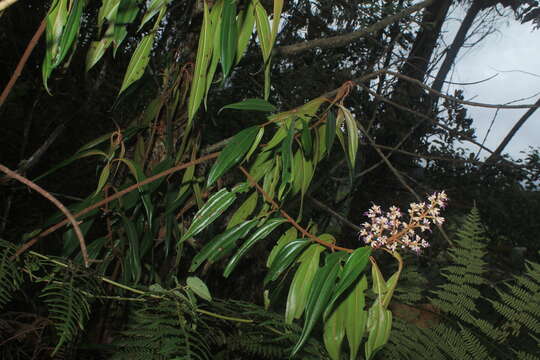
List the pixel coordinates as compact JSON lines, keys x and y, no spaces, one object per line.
{"x":57,"y":203}
{"x":24,"y":58}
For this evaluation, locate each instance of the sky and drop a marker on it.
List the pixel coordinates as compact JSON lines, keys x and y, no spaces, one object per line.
{"x":513,"y":53}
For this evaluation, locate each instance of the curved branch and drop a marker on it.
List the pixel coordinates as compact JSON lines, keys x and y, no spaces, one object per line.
{"x":57,"y":203}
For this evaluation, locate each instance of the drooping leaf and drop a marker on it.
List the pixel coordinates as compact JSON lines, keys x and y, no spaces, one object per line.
{"x":139,"y":61}
{"x":126,"y":14}
{"x":215,"y":24}
{"x":246,"y":30}
{"x":286,"y":238}
{"x":356,"y":320}
{"x":262,"y":232}
{"x":334,"y":331}
{"x":154,"y":7}
{"x":199,"y":287}
{"x":286,"y":256}
{"x":330,"y":131}
{"x":278,"y":8}
{"x":104,"y":177}
{"x":379,"y":327}
{"x":204,"y":53}
{"x":255,"y":144}
{"x":228,"y":38}
{"x":356,"y":263}
{"x":287,"y":156}
{"x":56,"y":20}
{"x":263,"y":30}
{"x":233,"y":153}
{"x":379,"y":285}
{"x":138,"y":174}
{"x":97,"y":50}
{"x":217,"y":246}
{"x":301,"y":283}
{"x":71,"y":30}
{"x":107,"y":11}
{"x":133,"y":257}
{"x":352,"y":136}
{"x":319,"y":295}
{"x":251,"y":104}
{"x":214,"y":207}
{"x":307,"y":141}
{"x":244,"y":210}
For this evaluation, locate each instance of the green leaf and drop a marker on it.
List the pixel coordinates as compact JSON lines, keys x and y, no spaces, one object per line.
{"x":139,"y":61}
{"x":285,"y":258}
{"x":352,"y":135}
{"x":379,"y":285}
{"x":251,"y":104}
{"x":334,"y":331}
{"x":199,"y":287}
{"x":108,"y":11}
{"x":139,"y":176}
{"x":286,"y":153}
{"x":56,"y":19}
{"x":319,"y":295}
{"x":379,"y":329}
{"x":286,"y":238}
{"x":233,"y":153}
{"x":356,"y":263}
{"x":330,"y":131}
{"x":127,"y":12}
{"x":244,"y":210}
{"x":246,"y":30}
{"x":298,"y":164}
{"x":70,"y":32}
{"x":133,"y":258}
{"x":301,"y":283}
{"x":214,"y":207}
{"x":215,"y":248}
{"x":228,"y":37}
{"x":255,"y":144}
{"x":97,"y":50}
{"x":391,"y":286}
{"x":307,"y":141}
{"x":262,"y":232}
{"x":215,"y":24}
{"x":263,"y":30}
{"x":155,"y":7}
{"x":356,"y":320}
{"x":103,"y":177}
{"x":278,"y":7}
{"x":204,"y":53}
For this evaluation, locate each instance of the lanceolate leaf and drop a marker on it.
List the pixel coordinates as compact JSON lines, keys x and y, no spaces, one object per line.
{"x":233,"y":153}
{"x":278,"y":7}
{"x":251,"y":104}
{"x":108,"y":11}
{"x":228,"y":36}
{"x":379,"y":326}
{"x":307,"y":141}
{"x":301,"y":283}
{"x":256,"y":143}
{"x":138,"y":61}
{"x":286,"y":238}
{"x":330,"y":131}
{"x":215,"y":23}
{"x":285,"y":258}
{"x":216,"y":246}
{"x":286,"y":152}
{"x":379,"y":285}
{"x":133,"y":258}
{"x":355,"y":323}
{"x":214,"y":207}
{"x":261,"y":232}
{"x":245,"y":32}
{"x":244,"y":210}
{"x":319,"y":295}
{"x":263,"y":30}
{"x":352,"y":136}
{"x":334,"y":331}
{"x":204,"y":52}
{"x":56,"y":20}
{"x":155,"y":7}
{"x":356,"y":263}
{"x":70,"y":31}
{"x":127,"y":12}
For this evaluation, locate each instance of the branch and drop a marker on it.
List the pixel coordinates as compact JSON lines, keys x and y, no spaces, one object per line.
{"x":289,"y":218}
{"x":117,"y":195}
{"x":343,"y":40}
{"x":18,"y":70}
{"x":59,"y":205}
{"x":497,"y":153}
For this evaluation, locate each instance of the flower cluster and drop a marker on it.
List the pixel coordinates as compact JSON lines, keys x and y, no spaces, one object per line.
{"x":388,"y":230}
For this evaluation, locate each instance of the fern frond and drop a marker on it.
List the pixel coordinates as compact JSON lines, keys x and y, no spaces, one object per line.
{"x":68,"y":309}
{"x":10,"y":276}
